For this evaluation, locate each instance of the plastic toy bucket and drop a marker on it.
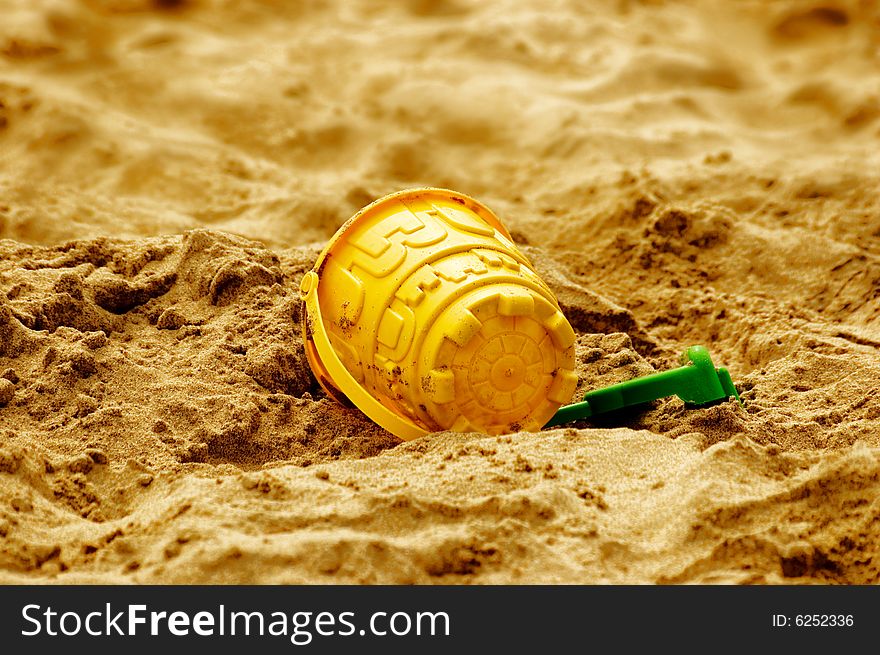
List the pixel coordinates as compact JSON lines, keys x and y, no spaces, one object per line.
{"x":422,"y":312}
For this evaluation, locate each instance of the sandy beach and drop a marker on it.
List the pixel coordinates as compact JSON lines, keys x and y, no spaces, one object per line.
{"x":679,"y":173}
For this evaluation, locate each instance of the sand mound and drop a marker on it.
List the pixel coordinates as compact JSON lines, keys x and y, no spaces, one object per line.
{"x":679,"y":173}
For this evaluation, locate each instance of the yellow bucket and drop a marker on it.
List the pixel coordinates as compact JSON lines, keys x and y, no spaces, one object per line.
{"x":423,"y":313}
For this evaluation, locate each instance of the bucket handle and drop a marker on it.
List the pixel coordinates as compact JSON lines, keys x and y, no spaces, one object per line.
{"x":388,"y":419}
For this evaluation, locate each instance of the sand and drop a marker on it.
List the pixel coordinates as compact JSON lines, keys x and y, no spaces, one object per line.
{"x":679,"y":173}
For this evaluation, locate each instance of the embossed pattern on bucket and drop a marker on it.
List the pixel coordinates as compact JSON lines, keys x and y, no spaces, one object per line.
{"x":432,"y":310}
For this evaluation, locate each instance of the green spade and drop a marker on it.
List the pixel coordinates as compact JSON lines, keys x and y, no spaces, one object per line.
{"x":698,"y":382}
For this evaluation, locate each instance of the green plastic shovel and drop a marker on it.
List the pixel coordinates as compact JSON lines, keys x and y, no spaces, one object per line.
{"x":698,"y":382}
